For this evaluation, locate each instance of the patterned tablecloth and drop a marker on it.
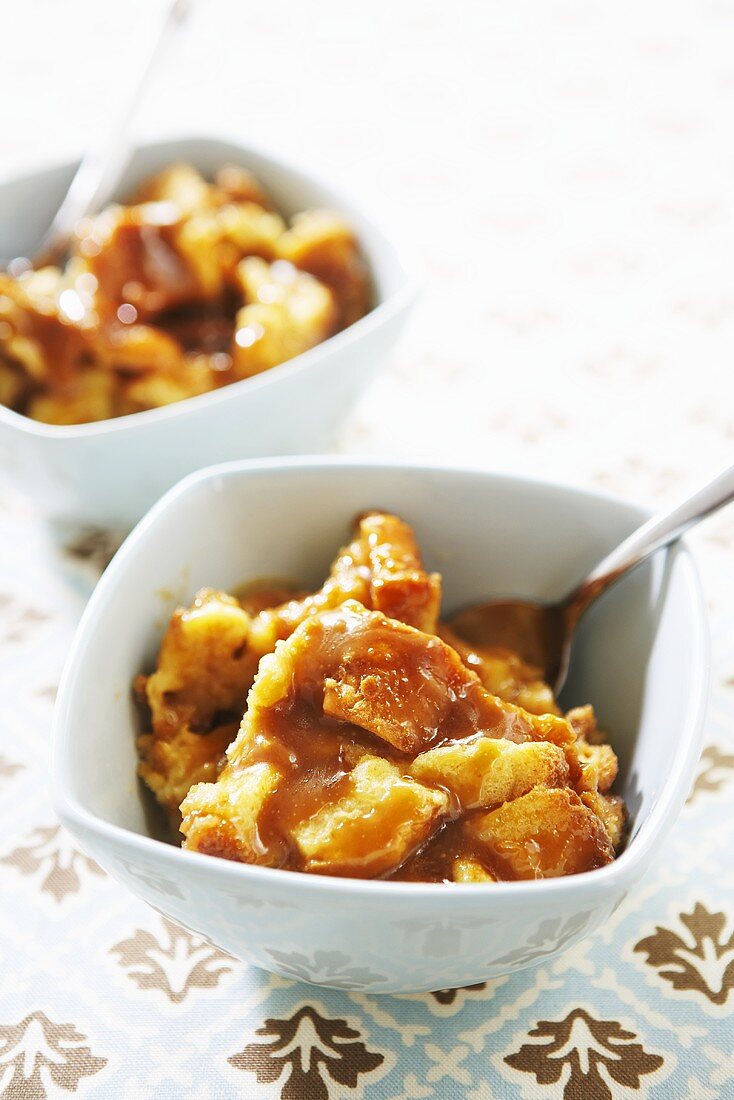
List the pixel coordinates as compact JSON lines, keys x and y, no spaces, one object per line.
{"x":564,"y":174}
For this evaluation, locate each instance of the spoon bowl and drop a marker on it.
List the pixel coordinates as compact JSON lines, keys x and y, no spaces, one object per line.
{"x":542,"y":633}
{"x":537,"y":631}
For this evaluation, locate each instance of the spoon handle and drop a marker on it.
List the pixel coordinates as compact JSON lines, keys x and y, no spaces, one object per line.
{"x":661,"y":530}
{"x":99,"y":171}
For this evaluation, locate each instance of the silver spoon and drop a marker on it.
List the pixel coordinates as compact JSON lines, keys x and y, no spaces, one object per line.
{"x":543,"y":632}
{"x":100,"y":170}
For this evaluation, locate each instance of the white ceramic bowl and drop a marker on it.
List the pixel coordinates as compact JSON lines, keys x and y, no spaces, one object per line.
{"x":107,"y":474}
{"x":641,"y":659}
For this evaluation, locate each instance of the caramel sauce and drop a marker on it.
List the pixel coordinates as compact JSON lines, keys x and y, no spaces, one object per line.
{"x":373,"y":747}
{"x":409,"y":692}
{"x":168,"y":264}
{"x":435,"y":861}
{"x":203,"y":328}
{"x":140,"y":265}
{"x":315,"y":755}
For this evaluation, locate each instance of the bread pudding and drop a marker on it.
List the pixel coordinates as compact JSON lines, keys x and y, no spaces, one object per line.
{"x":187,"y":287}
{"x":350,"y":731}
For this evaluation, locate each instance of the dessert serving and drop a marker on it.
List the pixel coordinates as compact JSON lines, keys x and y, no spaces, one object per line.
{"x":187,"y":287}
{"x":375,"y":741}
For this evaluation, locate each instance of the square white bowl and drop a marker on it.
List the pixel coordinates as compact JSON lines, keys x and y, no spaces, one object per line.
{"x":641,"y":659}
{"x":107,"y":474}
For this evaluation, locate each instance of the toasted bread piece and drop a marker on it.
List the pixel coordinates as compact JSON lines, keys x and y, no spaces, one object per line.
{"x":322,"y":243}
{"x":399,"y":584}
{"x":221,"y":818}
{"x":236,"y":184}
{"x":597,"y":760}
{"x":89,"y":396}
{"x":204,"y":665}
{"x":47,"y":330}
{"x":599,"y":766}
{"x":170,"y":767}
{"x":610,"y":810}
{"x":486,"y":771}
{"x":544,"y":834}
{"x":408,"y":688}
{"x":179,"y":184}
{"x":381,"y":818}
{"x":468,"y":869}
{"x":583,"y":722}
{"x":381,"y":568}
{"x":287,"y":311}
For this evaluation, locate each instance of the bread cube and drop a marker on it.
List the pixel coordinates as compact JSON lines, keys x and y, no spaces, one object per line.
{"x":544,"y":834}
{"x":204,"y":665}
{"x":235,"y":184}
{"x":487,"y":771}
{"x":468,"y":869}
{"x":179,"y":184}
{"x":610,"y":810}
{"x":89,"y":396}
{"x":380,"y":568}
{"x":288,"y":312}
{"x":599,"y":766}
{"x":322,"y":243}
{"x":411,"y":689}
{"x":252,"y":230}
{"x":373,"y":827}
{"x":583,"y":723}
{"x":221,"y":818}
{"x":135,"y":349}
{"x":597,"y":760}
{"x":399,"y":584}
{"x":171,"y":767}
{"x":157,"y":388}
{"x":47,"y":326}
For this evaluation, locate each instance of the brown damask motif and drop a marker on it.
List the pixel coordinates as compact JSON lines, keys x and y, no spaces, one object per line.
{"x":176,"y":963}
{"x":93,"y":547}
{"x":311,"y":1050}
{"x":635,"y":471}
{"x":38,"y":1056}
{"x":584,"y":1052}
{"x":18,"y":622}
{"x":717,"y":769}
{"x":50,"y":852}
{"x":700,"y":960}
{"x":8,"y":768}
{"x":448,"y":996}
{"x":48,"y":693}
